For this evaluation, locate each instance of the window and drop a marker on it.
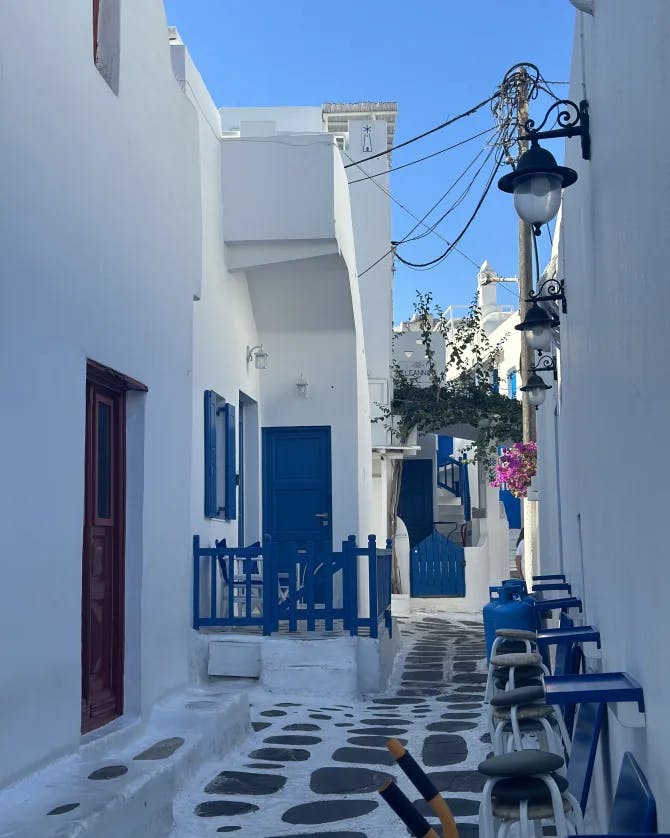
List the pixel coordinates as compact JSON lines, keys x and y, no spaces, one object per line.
{"x":511,"y":384}
{"x":220,"y":457}
{"x":107,"y":40}
{"x":495,"y":381}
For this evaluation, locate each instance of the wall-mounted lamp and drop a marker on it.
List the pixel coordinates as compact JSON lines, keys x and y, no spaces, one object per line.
{"x":301,"y":386}
{"x":258,"y":355}
{"x":535,"y":389}
{"x":537,"y":180}
{"x":537,"y":326}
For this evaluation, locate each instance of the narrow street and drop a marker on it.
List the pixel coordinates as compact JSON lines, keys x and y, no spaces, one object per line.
{"x":313,"y":767}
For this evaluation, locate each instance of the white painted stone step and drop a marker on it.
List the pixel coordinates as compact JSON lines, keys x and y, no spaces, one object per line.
{"x":137,"y":802}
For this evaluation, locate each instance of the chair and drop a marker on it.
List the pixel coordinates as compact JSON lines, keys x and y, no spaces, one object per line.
{"x":634,"y":807}
{"x":247,"y":571}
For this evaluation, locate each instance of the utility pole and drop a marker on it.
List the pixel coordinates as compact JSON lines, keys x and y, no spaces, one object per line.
{"x":527,"y":361}
{"x":525,"y":271}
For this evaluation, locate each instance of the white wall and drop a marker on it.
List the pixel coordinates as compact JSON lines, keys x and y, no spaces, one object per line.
{"x":613,"y":252}
{"x":102,"y":266}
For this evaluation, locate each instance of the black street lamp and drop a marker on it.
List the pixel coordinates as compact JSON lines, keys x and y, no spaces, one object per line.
{"x":535,"y":389}
{"x":537,"y":180}
{"x":537,"y":326}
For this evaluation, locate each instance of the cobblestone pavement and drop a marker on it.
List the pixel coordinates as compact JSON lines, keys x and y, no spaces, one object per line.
{"x":312,"y":767}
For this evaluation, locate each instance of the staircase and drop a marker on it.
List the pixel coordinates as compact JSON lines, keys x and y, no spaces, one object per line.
{"x":450,"y":514}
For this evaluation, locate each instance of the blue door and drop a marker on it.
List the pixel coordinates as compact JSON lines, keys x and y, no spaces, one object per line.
{"x":416,"y":499}
{"x":297,"y":486}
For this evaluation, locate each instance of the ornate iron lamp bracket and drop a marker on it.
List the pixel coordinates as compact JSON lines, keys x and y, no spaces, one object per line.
{"x":545,"y":363}
{"x":550,"y":289}
{"x":572,"y":119}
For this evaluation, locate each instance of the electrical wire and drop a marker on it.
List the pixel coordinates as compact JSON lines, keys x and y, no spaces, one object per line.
{"x":427,"y":156}
{"x":451,"y":121}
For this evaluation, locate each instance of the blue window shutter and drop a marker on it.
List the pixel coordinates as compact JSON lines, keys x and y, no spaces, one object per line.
{"x":211,"y":505}
{"x":230,"y":509}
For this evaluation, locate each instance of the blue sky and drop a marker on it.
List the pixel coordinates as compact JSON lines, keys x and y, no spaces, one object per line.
{"x":435,"y":58}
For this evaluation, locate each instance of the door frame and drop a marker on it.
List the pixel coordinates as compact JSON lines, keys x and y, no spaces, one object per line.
{"x":106,"y":385}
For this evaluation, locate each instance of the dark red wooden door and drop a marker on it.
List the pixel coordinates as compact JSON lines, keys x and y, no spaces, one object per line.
{"x":102,"y":635}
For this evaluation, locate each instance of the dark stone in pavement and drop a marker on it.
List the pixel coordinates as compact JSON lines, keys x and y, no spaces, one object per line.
{"x":385,"y":721}
{"x":454,"y":698}
{"x":451,"y":727}
{"x":372,"y":741}
{"x":423,"y":675}
{"x":266,"y":766}
{"x":323,"y":835}
{"x":109,"y":772}
{"x":379,"y":731}
{"x":471,"y":706}
{"x":460,"y":716}
{"x":281,"y":754}
{"x":327,"y":811}
{"x":465,"y":666}
{"x":245,"y":782}
{"x":162,"y":750}
{"x":470,"y":678}
{"x":61,"y":810}
{"x":292,"y":740}
{"x":443,"y":749}
{"x":364,"y":756}
{"x":260,"y":725}
{"x":397,"y":700}
{"x":319,"y":716}
{"x":301,"y":726}
{"x":347,"y":780}
{"x":287,"y":704}
{"x":273,"y":713}
{"x":219,"y":808}
{"x":451,"y":781}
{"x":228,"y":828}
{"x":486,"y":738}
{"x":469,"y":688}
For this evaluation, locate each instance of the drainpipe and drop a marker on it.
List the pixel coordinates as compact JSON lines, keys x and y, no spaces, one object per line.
{"x":583,"y":5}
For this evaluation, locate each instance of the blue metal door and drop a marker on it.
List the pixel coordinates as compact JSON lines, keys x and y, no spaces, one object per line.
{"x":416,"y":499}
{"x":297,"y":486}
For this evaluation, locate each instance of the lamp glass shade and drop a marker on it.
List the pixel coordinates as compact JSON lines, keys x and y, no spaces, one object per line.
{"x":261,"y":359}
{"x":539,"y":338}
{"x":537,"y":197}
{"x":536,"y":395}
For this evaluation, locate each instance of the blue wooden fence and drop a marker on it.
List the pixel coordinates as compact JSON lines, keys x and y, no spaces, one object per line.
{"x":437,"y":567}
{"x":295,"y":585}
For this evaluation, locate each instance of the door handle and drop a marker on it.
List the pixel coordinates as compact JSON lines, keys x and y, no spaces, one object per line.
{"x":321,"y":515}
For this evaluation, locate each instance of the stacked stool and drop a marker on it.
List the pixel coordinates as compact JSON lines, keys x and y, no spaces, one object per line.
{"x":525,"y":776}
{"x":525,"y":787}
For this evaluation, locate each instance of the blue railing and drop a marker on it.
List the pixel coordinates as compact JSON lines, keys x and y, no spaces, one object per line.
{"x":452,"y":475}
{"x":291,"y":584}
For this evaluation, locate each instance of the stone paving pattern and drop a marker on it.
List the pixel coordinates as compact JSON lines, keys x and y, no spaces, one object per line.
{"x":313,"y":769}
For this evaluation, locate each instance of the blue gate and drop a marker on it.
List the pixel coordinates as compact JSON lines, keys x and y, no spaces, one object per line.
{"x":437,"y":567}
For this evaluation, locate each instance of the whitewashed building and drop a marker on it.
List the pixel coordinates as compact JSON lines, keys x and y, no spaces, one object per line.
{"x":603,"y":459}
{"x":156,"y":251}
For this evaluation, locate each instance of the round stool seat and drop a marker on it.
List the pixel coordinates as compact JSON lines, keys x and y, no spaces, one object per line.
{"x":532,"y":789}
{"x":520,"y":764}
{"x":517,"y":659}
{"x":528,"y":725}
{"x":517,"y":634}
{"x":519,"y":672}
{"x":519,"y":695}
{"x":536,"y":811}
{"x":528,"y":711}
{"x":501,"y":683}
{"x":505,"y":646}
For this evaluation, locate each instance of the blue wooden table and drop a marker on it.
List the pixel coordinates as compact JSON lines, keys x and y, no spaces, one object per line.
{"x":598,"y":687}
{"x":568,"y":634}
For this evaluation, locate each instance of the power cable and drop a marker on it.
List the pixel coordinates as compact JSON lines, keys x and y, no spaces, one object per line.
{"x":427,"y":157}
{"x":425,"y":133}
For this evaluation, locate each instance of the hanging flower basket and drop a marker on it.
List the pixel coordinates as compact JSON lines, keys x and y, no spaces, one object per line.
{"x":516,"y":468}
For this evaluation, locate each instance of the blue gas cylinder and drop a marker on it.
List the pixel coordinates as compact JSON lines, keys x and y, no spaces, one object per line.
{"x":519,"y":584}
{"x":488,"y":613}
{"x":513,"y":612}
